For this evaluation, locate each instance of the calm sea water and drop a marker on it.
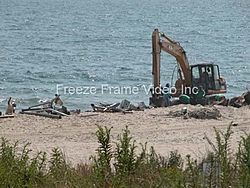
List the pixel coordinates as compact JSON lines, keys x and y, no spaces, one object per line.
{"x":103,"y":44}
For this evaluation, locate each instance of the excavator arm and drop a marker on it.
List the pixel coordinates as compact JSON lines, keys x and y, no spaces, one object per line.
{"x":174,"y":49}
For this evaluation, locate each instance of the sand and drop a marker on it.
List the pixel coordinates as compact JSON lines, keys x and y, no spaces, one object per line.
{"x":74,"y":134}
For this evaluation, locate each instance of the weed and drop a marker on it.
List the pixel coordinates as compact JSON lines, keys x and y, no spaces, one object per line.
{"x":126,"y":164}
{"x":101,"y":162}
{"x":124,"y":156}
{"x":243,"y":156}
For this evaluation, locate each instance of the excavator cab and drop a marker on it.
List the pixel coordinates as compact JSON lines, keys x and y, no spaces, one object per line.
{"x":208,"y":75}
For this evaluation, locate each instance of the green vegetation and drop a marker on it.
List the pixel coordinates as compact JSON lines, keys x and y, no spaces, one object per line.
{"x":123,"y":163}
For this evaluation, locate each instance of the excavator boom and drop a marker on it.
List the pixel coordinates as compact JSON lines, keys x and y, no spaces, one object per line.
{"x":178,"y":52}
{"x":174,"y":49}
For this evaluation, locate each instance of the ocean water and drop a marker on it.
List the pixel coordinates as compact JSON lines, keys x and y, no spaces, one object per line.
{"x":90,"y":51}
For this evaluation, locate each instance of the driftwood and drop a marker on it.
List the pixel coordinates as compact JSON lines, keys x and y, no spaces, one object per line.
{"x":110,"y":108}
{"x":97,"y":108}
{"x":104,"y":105}
{"x":34,"y":109}
{"x":44,"y":114}
{"x":6,"y":116}
{"x":124,"y":107}
{"x":57,"y":112}
{"x":47,"y":109}
{"x":42,"y":104}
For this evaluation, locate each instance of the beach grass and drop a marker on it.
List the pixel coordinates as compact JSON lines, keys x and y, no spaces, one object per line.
{"x":122,"y":162}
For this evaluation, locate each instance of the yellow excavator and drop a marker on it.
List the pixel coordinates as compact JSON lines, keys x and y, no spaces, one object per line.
{"x":190,"y":76}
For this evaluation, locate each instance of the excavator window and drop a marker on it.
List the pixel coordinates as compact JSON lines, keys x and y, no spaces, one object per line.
{"x":195,"y":76}
{"x":202,"y":74}
{"x":209,"y":76}
{"x":216,"y":73}
{"x":217,"y":80}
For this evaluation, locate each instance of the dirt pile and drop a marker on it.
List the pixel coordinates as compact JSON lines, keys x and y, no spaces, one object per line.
{"x":197,"y":113}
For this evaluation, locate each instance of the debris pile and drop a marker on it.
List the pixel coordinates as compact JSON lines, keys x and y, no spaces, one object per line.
{"x":205,"y":113}
{"x":48,"y":109}
{"x":240,"y":101}
{"x":123,"y":106}
{"x":55,"y":109}
{"x":201,"y":113}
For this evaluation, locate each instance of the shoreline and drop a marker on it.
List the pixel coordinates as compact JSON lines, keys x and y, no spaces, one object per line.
{"x":74,"y":134}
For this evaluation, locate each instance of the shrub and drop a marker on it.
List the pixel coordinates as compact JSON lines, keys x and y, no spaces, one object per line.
{"x":17,"y":168}
{"x":123,"y":163}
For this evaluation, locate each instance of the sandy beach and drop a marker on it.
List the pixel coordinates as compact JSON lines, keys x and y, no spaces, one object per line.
{"x":74,"y":134}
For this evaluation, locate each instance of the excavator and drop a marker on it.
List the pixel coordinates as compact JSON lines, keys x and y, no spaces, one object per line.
{"x":190,"y":77}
